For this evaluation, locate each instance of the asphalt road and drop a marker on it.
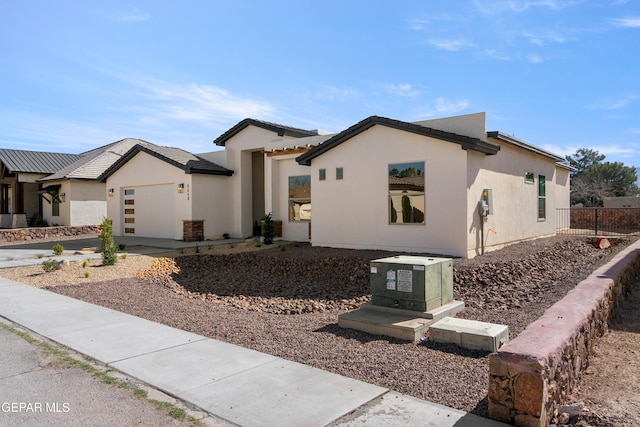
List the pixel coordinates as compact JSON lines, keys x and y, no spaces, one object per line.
{"x":38,"y":388}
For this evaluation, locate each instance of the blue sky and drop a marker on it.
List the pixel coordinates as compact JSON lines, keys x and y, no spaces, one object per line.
{"x":560,"y":74}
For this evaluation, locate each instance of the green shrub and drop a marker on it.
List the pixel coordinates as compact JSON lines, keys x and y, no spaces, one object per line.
{"x":268,"y":229}
{"x":109,"y":250}
{"x":40,"y":256}
{"x":49,"y":265}
{"x":58,"y":249}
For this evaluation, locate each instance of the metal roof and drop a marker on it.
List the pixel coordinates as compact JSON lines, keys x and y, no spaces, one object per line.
{"x":466,"y":142}
{"x":281,"y":130}
{"x":24,"y":161}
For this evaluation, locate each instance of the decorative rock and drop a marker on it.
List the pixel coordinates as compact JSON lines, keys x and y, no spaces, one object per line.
{"x":62,"y":264}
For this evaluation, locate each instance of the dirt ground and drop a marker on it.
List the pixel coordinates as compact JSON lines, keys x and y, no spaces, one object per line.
{"x":284,"y":300}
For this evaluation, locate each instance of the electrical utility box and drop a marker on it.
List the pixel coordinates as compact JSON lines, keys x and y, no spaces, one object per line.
{"x":411,"y":282}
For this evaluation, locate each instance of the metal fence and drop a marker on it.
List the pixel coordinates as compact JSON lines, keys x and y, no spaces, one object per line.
{"x":598,"y":221}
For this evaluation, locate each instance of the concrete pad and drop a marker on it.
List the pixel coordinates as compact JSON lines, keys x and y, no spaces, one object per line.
{"x":188,"y":366}
{"x":437,"y":313}
{"x":397,"y":410}
{"x":129,"y":337}
{"x":402,"y":326}
{"x":470,"y":334}
{"x":282,"y":393}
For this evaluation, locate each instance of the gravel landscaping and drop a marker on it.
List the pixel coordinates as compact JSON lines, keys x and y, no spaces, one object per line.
{"x":285,"y":301}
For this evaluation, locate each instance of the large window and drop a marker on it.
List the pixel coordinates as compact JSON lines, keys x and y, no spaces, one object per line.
{"x":406,"y":193}
{"x":300,"y":198}
{"x":542,"y":198}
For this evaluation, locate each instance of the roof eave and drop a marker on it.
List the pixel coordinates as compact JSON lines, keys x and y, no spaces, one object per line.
{"x":466,"y":143}
{"x":522,"y":144}
{"x":280,"y":130}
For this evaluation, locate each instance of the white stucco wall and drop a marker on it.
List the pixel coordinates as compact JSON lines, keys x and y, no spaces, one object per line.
{"x":515,"y":202}
{"x":211,"y":198}
{"x":144,"y":170}
{"x":87,"y":202}
{"x":354,"y":212}
{"x":64,"y":217}
{"x":239,"y":159}
{"x":281,"y":168}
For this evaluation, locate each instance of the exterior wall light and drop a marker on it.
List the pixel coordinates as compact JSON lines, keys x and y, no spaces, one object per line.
{"x":111,"y":192}
{"x":181,"y":188}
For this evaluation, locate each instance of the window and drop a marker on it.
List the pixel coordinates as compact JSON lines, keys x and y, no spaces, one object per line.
{"x":129,"y":192}
{"x":323,"y":174}
{"x":55,"y":203}
{"x":528,"y":177}
{"x":542,"y":198}
{"x":300,"y":198}
{"x":406,"y":193}
{"x":339,"y":173}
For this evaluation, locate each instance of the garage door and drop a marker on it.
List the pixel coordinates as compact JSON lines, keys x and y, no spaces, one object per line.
{"x":149,"y":211}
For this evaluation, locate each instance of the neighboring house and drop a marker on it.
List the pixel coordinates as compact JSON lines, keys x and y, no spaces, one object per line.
{"x":166,"y":192}
{"x":82,"y":196}
{"x":389,"y":184}
{"x":622,"y":202}
{"x":21,"y":203}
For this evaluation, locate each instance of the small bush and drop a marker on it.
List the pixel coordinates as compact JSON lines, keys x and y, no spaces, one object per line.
{"x":109,"y":250}
{"x":123,"y":256}
{"x":39,"y":256}
{"x":58,"y":249}
{"x":49,"y":265}
{"x":121,"y":246}
{"x":86,"y":274}
{"x":226,"y":235}
{"x":85,"y":263}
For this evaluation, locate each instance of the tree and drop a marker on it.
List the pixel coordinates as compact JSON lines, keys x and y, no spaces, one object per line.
{"x":109,"y":250}
{"x":583,"y":159}
{"x":593,"y":180}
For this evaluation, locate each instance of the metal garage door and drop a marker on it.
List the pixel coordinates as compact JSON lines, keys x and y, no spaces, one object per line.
{"x":149,"y":211}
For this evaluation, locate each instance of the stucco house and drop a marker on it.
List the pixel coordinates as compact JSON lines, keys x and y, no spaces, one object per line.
{"x":21,"y":193}
{"x":445,"y":186}
{"x":389,"y":184}
{"x":166,"y":192}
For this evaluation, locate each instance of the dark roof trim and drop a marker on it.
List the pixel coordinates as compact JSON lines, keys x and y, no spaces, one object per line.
{"x":49,"y":189}
{"x":201,"y":166}
{"x":281,"y":130}
{"x":520,"y":143}
{"x":466,"y":142}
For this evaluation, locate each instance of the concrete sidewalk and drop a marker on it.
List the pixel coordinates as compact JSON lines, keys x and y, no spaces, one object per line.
{"x":21,"y":254}
{"x":232,"y":384}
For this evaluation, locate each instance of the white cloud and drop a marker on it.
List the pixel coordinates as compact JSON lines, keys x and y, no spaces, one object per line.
{"x":495,"y":54}
{"x":495,"y":7}
{"x":441,"y":107}
{"x":332,"y":93}
{"x":543,"y":38}
{"x":632,"y":22}
{"x":405,"y":90}
{"x":535,"y":59}
{"x":134,"y":17}
{"x":450,"y":44}
{"x":417,"y":24}
{"x":612,"y":104}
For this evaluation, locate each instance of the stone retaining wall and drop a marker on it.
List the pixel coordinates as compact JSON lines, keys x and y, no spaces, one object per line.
{"x":532,"y":375}
{"x":22,"y":235}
